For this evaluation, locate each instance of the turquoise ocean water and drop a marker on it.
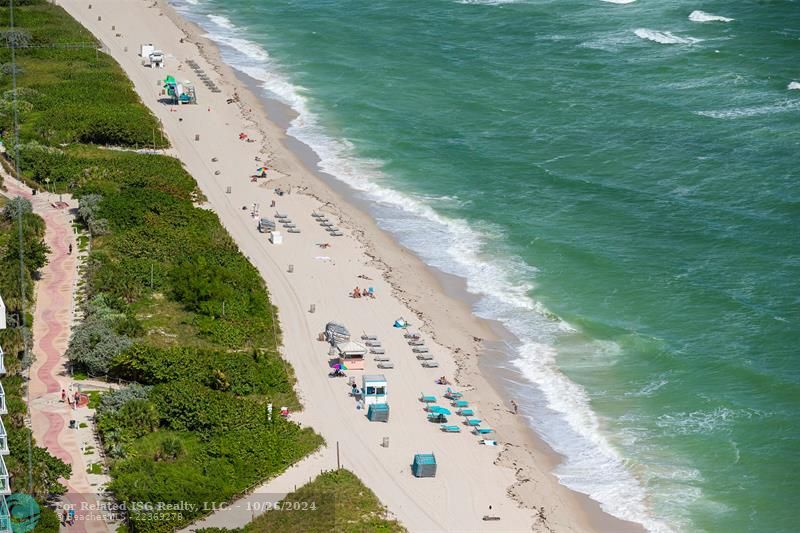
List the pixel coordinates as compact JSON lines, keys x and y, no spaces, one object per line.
{"x":618,"y":183}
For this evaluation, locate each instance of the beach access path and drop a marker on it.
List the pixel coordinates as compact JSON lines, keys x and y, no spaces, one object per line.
{"x":52,"y":319}
{"x":299,"y":274}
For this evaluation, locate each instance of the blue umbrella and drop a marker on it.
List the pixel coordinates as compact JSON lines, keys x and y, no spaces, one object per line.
{"x":439,"y":410}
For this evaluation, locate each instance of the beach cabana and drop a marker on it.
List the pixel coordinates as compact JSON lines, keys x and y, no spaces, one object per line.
{"x":336,"y":333}
{"x":351,"y":355}
{"x":424,"y":465}
{"x":378,"y":412}
{"x":3,"y":408}
{"x":2,"y":314}
{"x":375,"y":389}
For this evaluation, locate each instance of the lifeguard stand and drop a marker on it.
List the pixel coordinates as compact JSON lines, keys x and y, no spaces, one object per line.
{"x":375,"y":389}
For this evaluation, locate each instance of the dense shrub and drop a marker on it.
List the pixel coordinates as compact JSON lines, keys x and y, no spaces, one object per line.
{"x":111,"y":401}
{"x":97,"y":340}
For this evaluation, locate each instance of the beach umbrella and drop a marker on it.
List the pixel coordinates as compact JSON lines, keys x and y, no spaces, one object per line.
{"x":261,"y":170}
{"x":439,"y":410}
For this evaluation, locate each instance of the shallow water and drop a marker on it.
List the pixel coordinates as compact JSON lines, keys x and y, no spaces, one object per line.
{"x":618,"y":183}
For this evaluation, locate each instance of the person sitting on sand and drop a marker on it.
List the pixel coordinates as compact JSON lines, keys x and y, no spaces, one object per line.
{"x":365,"y":293}
{"x":324,"y":245}
{"x":356,"y":293}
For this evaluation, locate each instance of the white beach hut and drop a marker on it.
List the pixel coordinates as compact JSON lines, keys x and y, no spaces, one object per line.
{"x":374,"y":388}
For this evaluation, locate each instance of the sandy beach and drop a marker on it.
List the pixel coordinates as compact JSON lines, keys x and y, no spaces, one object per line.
{"x":512,"y":481}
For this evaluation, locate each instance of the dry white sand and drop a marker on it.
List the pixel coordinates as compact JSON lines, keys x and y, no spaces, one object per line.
{"x":521,"y":491}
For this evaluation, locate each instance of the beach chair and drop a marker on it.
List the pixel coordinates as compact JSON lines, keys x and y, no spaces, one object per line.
{"x":281,"y":215}
{"x":377,"y":350}
{"x":292,"y":230}
{"x":449,"y":429}
{"x":424,"y":357}
{"x":416,"y":342}
{"x":473,"y":422}
{"x":482,"y":431}
{"x":409,"y":335}
{"x":465,"y":412}
{"x":452,"y":395}
{"x":488,"y":442}
{"x":460,"y":403}
{"x":420,"y":349}
{"x":430,"y":364}
{"x":325,"y":224}
{"x":385,"y":365}
{"x":427,"y":398}
{"x":382,"y":358}
{"x":289,"y":225}
{"x":366,"y":337}
{"x":373,"y":343}
{"x":336,"y":234}
{"x":317,"y":215}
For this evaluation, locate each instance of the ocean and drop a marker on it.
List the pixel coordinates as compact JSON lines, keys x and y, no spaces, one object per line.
{"x":617,"y":181}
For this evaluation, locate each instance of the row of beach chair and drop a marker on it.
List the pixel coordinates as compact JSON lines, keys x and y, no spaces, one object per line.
{"x":439,"y":415}
{"x":287,"y":223}
{"x":378,"y":352}
{"x":327,"y":224}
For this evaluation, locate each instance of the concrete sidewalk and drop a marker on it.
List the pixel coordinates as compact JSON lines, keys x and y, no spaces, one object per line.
{"x":53,"y":314}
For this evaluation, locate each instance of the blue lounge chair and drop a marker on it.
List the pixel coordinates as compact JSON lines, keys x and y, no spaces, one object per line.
{"x":466,"y":412}
{"x":449,"y":429}
{"x":472,"y":422}
{"x":482,"y":431}
{"x":427,"y":398}
{"x":460,"y":404}
{"x":451,"y":394}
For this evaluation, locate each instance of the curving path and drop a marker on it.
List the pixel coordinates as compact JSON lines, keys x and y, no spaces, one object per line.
{"x":48,"y":376}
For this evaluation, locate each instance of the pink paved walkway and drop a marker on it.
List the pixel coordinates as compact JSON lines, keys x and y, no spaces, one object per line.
{"x":51,"y":330}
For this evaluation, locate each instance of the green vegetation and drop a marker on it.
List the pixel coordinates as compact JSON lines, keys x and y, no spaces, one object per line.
{"x":95,"y":468}
{"x":94,"y":398}
{"x":172,"y":305}
{"x":335,"y":501}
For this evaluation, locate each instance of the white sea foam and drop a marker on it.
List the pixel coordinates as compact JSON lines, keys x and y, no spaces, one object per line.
{"x":502,"y":282}
{"x":488,"y":2}
{"x":795,"y":85}
{"x":619,"y":1}
{"x":703,"y":422}
{"x":702,"y":16}
{"x":663,"y":37}
{"x":754,"y":111}
{"x":223,"y":22}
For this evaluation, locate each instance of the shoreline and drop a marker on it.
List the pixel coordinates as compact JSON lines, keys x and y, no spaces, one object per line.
{"x":529,"y":455}
{"x":448,"y":319}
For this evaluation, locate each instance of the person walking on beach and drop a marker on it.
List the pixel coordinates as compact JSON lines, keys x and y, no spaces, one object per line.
{"x":63,"y":395}
{"x":72,"y":517}
{"x":514,"y":406}
{"x":70,"y":249}
{"x":64,"y":516}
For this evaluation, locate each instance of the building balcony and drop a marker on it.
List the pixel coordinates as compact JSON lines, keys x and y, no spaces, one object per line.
{"x":3,"y":439}
{"x":5,"y":482}
{"x":5,"y":516}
